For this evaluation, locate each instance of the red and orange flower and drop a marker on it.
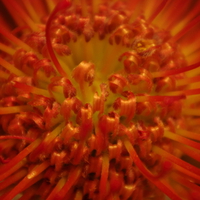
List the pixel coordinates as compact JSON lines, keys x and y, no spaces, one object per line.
{"x":99,"y":100}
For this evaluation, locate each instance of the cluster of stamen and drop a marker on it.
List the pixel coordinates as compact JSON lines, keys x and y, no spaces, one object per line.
{"x":104,"y":127}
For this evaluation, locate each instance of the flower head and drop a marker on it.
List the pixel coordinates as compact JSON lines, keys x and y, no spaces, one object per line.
{"x":99,"y":100}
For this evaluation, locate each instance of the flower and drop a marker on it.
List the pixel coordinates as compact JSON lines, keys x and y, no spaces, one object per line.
{"x":99,"y":99}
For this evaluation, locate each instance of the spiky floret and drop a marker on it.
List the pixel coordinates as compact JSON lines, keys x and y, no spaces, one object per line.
{"x":95,"y":104}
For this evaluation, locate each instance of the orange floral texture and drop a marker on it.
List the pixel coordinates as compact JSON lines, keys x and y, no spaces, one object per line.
{"x":99,"y":100}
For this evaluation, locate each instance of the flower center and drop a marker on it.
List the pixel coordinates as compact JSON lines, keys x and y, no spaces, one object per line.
{"x":106,"y":56}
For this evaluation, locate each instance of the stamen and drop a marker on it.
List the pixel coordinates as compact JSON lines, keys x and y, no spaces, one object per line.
{"x":186,"y":172}
{"x":174,"y":71}
{"x":54,"y":133}
{"x":31,"y":89}
{"x":176,"y":160}
{"x":23,"y":15}
{"x":39,"y":8}
{"x":23,"y":183}
{"x":166,"y":99}
{"x":187,"y":183}
{"x":104,"y":176}
{"x":181,"y":139}
{"x":33,"y":181}
{"x":84,"y":74}
{"x":72,"y":178}
{"x":7,"y":49}
{"x":11,"y":68}
{"x":193,"y":153}
{"x":44,"y":190}
{"x":14,"y":109}
{"x":188,"y":134}
{"x":10,"y":167}
{"x":163,"y":187}
{"x":127,"y":107}
{"x":49,"y":138}
{"x":57,"y":189}
{"x":7,"y":172}
{"x":193,"y":12}
{"x":14,"y":39}
{"x":78,"y":153}
{"x":4,"y":137}
{"x":37,"y":170}
{"x":60,"y":6}
{"x":185,"y":30}
{"x":13,"y":178}
{"x":19,"y":29}
{"x":171,"y":22}
{"x":138,"y":162}
{"x":31,"y":11}
{"x":29,"y":193}
{"x":186,"y":81}
{"x":158,"y":10}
